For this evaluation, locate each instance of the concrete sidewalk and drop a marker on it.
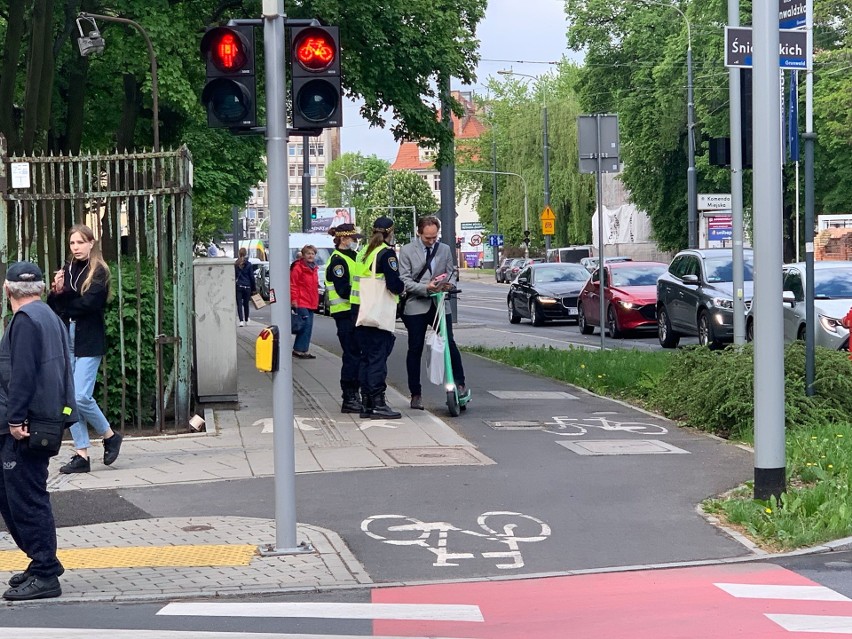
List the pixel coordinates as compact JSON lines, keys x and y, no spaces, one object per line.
{"x":204,"y":557}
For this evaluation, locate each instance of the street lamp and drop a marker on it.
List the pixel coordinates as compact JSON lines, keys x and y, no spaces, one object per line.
{"x":546,"y":147}
{"x":349,"y":188}
{"x":691,"y":185}
{"x":526,"y":199}
{"x":94,"y":43}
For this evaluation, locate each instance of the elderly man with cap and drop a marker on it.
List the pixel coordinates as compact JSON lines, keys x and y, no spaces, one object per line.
{"x":376,"y":344}
{"x":36,"y":383}
{"x":341,"y":282}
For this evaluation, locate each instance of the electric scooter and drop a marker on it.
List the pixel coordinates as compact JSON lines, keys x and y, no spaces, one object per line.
{"x":455,"y":402}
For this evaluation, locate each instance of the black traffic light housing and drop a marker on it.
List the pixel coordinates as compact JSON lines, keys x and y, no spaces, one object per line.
{"x":526,"y":239}
{"x":230,"y":94}
{"x":315,"y":77}
{"x":313,"y":212}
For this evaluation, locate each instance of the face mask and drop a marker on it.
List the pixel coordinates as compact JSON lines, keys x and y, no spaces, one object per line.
{"x":355,"y":246}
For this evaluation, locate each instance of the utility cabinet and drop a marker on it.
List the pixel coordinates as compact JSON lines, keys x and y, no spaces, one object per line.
{"x":215,"y":329}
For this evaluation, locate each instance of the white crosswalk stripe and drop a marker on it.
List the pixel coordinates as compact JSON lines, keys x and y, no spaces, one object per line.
{"x":769,"y":591}
{"x":814,"y":623}
{"x":112,"y":633}
{"x":407,"y":612}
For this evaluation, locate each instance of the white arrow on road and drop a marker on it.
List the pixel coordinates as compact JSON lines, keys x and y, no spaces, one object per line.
{"x":298,"y":424}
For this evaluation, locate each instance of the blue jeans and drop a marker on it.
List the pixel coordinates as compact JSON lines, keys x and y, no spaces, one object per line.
{"x":303,"y":338}
{"x":85,"y":374}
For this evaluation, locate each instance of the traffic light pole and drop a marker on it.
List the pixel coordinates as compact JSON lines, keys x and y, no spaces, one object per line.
{"x":306,"y":185}
{"x":284,"y":451}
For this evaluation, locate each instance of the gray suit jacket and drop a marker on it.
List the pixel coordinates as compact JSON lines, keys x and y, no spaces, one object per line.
{"x":412,"y":257}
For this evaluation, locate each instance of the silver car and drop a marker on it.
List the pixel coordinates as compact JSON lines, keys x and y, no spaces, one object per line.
{"x":832,"y":301}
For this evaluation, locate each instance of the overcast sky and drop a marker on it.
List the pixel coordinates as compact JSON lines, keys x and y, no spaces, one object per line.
{"x":520,"y":34}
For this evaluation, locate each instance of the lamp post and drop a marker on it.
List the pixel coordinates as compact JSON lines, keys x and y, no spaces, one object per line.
{"x":349,"y":188}
{"x":545,"y":145}
{"x":526,"y":198}
{"x":94,"y":43}
{"x":691,"y":180}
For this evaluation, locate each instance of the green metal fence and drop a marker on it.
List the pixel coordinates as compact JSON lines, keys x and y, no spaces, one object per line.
{"x":140,"y":207}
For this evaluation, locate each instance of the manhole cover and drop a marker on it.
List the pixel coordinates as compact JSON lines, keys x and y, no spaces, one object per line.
{"x":531,"y":395}
{"x":429,"y":456}
{"x":514,"y":425}
{"x":622,"y":447}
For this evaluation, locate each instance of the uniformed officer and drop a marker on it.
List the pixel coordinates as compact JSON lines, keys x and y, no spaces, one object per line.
{"x":341,"y":282}
{"x":377,"y":344}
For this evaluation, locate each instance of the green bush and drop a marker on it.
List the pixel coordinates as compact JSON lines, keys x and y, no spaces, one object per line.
{"x":143,"y":373}
{"x":714,"y":391}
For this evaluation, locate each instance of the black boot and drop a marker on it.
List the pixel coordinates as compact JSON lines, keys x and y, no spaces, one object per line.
{"x":366,"y":406}
{"x":351,"y":402}
{"x":381,"y":410}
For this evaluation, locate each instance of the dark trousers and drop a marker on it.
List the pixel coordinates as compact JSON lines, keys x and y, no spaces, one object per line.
{"x":349,"y":378}
{"x":376,"y":346}
{"x":243,"y":297}
{"x":417,"y":325}
{"x":25,"y":505}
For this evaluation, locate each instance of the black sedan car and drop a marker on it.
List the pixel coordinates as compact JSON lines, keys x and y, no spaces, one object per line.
{"x":546,"y":291}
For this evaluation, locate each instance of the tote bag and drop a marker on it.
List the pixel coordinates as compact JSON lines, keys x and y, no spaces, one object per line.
{"x":378,"y":304}
{"x":435,"y":342}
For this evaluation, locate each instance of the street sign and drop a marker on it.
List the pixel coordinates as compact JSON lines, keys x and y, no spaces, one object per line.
{"x":791,"y":13}
{"x":714,"y":201}
{"x":475,"y":240}
{"x":587,"y":140}
{"x":547,"y":214}
{"x":548,"y":227}
{"x":495,"y":240}
{"x":472,"y":226}
{"x":792,"y":49}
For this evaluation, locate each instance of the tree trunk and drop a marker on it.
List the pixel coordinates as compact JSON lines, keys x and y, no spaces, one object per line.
{"x":129,"y":114}
{"x":9,"y":72}
{"x":41,"y":46}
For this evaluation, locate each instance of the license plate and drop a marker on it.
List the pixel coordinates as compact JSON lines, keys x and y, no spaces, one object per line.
{"x":572,"y":311}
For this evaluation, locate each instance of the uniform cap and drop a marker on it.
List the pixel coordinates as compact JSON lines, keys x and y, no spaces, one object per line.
{"x":383,"y":224}
{"x":346,"y":230}
{"x":24,"y":272}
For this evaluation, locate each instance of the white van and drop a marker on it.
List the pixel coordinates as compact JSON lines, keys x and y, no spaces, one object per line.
{"x":325,"y":246}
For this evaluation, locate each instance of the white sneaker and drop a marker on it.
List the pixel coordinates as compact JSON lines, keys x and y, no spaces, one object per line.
{"x":242,"y":323}
{"x":248,"y":322}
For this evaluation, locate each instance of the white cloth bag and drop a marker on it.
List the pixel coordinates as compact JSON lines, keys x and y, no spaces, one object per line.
{"x":378,"y":304}
{"x":435,"y":361}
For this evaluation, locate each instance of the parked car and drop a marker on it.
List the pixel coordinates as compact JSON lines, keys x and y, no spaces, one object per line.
{"x":546,"y":291}
{"x":591,"y":263}
{"x":832,"y":301}
{"x":500,"y":271}
{"x":695,"y":296}
{"x":630,"y":298}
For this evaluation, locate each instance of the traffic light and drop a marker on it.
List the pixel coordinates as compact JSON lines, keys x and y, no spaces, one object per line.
{"x":313,"y":212}
{"x":230,"y":94}
{"x":458,"y":242}
{"x":315,"y":74}
{"x":526,"y":239}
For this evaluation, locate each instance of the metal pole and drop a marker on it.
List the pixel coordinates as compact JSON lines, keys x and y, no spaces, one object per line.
{"x":546,"y":173}
{"x":494,"y":195}
{"x":737,"y":230}
{"x":691,"y":186}
{"x":284,"y":453}
{"x":235,"y":227}
{"x":769,"y":440}
{"x":810,"y":139}
{"x":601,"y":308}
{"x":448,"y":185}
{"x":306,"y":185}
{"x":526,"y":218}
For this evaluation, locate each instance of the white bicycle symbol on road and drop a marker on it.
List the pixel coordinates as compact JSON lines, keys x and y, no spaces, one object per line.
{"x":578,"y":426}
{"x":505,"y":527}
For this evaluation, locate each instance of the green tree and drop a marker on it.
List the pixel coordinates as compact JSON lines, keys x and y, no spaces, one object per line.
{"x":356,"y":172}
{"x":403,"y":196}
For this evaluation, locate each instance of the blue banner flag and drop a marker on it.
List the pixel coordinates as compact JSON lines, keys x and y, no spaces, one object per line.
{"x":793,"y":118}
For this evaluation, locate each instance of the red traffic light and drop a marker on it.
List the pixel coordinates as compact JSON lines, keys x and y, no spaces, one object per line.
{"x":315,"y":49}
{"x":229,"y":50}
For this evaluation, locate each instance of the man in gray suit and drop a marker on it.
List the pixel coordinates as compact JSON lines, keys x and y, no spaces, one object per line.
{"x":420,"y":262}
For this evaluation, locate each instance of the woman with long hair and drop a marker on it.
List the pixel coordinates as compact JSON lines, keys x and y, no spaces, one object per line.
{"x":246,"y":286}
{"x":79,"y":295}
{"x":304,"y":298}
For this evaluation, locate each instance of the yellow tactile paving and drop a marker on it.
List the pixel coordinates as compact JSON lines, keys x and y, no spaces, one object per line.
{"x":140,"y":557}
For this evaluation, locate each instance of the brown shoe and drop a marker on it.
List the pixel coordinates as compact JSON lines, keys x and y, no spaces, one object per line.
{"x":417,"y":402}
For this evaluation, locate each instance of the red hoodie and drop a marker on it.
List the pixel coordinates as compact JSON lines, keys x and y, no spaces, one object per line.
{"x":304,"y":286}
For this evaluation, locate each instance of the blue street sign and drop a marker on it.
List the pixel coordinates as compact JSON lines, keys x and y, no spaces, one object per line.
{"x":495,"y":240}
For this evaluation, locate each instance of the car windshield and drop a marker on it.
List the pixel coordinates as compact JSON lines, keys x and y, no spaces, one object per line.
{"x":323,"y":255}
{"x":721,"y":269}
{"x":564,"y":273}
{"x":833,"y":283}
{"x":637,"y":275}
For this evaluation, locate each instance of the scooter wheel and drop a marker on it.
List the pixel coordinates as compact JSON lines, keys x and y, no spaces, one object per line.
{"x":453,"y":403}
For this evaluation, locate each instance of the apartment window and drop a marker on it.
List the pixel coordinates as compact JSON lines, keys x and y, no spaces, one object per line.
{"x":436,"y":181}
{"x":321,"y":170}
{"x":318,"y":148}
{"x":313,"y":193}
{"x":293,"y":192}
{"x":291,"y":149}
{"x":313,"y":170}
{"x":293,"y":170}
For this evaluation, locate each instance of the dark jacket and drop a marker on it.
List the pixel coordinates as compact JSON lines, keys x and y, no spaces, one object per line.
{"x":36,"y":379}
{"x":87,"y":310}
{"x":244,"y":275}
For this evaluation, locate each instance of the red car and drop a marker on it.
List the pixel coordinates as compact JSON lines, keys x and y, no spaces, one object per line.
{"x":630,"y":298}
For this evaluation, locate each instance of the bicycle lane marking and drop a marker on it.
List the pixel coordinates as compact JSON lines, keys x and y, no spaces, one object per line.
{"x":567,"y":426}
{"x":500,"y":527}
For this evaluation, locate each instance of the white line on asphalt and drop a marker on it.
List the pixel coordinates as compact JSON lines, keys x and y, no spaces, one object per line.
{"x":814,"y":623}
{"x":319,"y":610}
{"x":113,"y":633}
{"x":765,"y":591}
{"x":549,"y":339}
{"x":483,"y":308}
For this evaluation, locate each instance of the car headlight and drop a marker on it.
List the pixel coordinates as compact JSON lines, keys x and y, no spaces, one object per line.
{"x":830,"y":324}
{"x":625,"y":304}
{"x":723,"y":302}
{"x":547,"y":300}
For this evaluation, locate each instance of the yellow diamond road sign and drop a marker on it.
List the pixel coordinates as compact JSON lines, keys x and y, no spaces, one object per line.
{"x":548,"y":221}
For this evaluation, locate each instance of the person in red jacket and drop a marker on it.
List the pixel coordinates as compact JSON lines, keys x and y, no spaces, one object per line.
{"x":304,"y":298}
